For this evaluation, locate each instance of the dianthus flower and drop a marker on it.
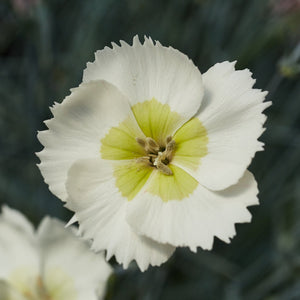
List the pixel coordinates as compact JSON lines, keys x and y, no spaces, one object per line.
{"x":51,"y":263}
{"x":151,"y":155}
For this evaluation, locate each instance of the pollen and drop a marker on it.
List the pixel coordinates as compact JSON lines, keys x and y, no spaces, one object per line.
{"x":157,"y":156}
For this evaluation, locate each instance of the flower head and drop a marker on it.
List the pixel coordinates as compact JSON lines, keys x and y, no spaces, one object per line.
{"x":151,"y":155}
{"x":49,"y":264}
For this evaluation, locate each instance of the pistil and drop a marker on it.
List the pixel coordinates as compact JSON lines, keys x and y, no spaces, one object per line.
{"x":158,"y":156}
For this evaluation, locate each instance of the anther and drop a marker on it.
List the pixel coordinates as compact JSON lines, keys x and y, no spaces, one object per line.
{"x":163,"y":168}
{"x":171,"y":146}
{"x":143,"y":159}
{"x":160,"y":165}
{"x":151,"y":145}
{"x":141,"y":142}
{"x":169,"y":139}
{"x":158,"y":156}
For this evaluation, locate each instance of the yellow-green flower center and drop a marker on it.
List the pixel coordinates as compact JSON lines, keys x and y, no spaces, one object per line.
{"x":153,"y":148}
{"x":56,"y":285}
{"x":39,"y":293}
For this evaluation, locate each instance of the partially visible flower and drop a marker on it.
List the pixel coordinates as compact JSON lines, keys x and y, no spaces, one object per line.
{"x":150,"y":155}
{"x":49,"y":264}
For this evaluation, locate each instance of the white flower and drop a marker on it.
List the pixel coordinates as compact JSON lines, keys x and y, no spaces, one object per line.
{"x":150,"y":155}
{"x":49,"y":264}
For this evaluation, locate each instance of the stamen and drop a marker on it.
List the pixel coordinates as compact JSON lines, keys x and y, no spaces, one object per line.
{"x":141,"y":142}
{"x":143,"y":159}
{"x":168,"y":139}
{"x":171,"y":146}
{"x":43,"y":295}
{"x":151,"y":145}
{"x":158,"y":156}
{"x":164,"y":168}
{"x":38,"y":293}
{"x":160,"y":165}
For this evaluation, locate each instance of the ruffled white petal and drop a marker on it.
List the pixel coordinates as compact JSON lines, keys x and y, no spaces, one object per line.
{"x":75,"y":131}
{"x":150,"y":70}
{"x":65,"y":255}
{"x":18,"y":248}
{"x":231,"y":112}
{"x":101,"y":210}
{"x":195,"y":220}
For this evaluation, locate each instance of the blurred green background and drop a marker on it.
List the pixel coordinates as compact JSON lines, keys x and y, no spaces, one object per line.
{"x":44,"y":47}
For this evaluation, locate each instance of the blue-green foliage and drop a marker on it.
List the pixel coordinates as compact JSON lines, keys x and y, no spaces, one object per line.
{"x":43,"y":50}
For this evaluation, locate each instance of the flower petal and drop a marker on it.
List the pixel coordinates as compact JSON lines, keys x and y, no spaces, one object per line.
{"x":17,"y":220}
{"x":146,"y":71}
{"x":156,"y":120}
{"x":18,"y":248}
{"x":100,"y":209}
{"x":78,"y":125}
{"x":191,"y":144}
{"x":67,"y":259}
{"x":231,"y":113}
{"x":195,"y":220}
{"x":7,"y":292}
{"x":171,"y":187}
